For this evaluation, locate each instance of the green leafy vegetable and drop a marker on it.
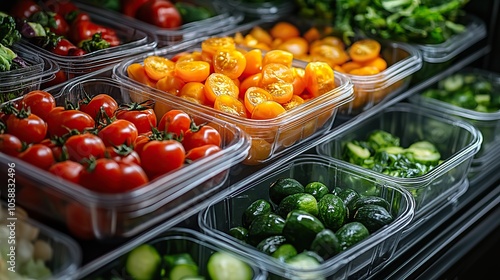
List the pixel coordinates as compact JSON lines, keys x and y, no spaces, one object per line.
{"x":9,"y":35}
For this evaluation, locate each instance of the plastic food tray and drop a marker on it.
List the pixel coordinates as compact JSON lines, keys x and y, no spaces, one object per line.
{"x":66,"y":253}
{"x":356,"y":262}
{"x":487,"y":123}
{"x":457,"y":141}
{"x":262,"y":9}
{"x":402,"y":61}
{"x":166,"y":241}
{"x":166,"y":199}
{"x":269,"y":137}
{"x":134,"y":42}
{"x":18,"y":82}
{"x":224,"y":18}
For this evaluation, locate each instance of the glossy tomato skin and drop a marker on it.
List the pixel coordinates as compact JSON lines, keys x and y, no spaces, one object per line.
{"x":61,"y":25}
{"x":85,"y":29}
{"x":202,"y":151}
{"x":68,"y":170}
{"x":94,"y":105}
{"x":123,"y":153}
{"x":143,"y":118}
{"x":40,"y":102}
{"x":24,"y":9}
{"x":63,"y":47}
{"x":119,"y":132}
{"x":84,"y":146}
{"x":57,"y":146}
{"x":175,"y":121}
{"x":60,"y":121}
{"x":160,"y":157}
{"x":129,"y":7}
{"x":38,"y":155}
{"x":29,"y":129}
{"x":10,"y":144}
{"x":200,"y":136}
{"x":161,"y":13}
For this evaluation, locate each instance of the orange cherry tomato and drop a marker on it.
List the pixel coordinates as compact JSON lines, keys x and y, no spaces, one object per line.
{"x":282,"y":92}
{"x":365,"y":71}
{"x":267,"y":110}
{"x":170,"y":84}
{"x":253,"y":62}
{"x":192,"y":71}
{"x":137,"y":73}
{"x":294,"y":102}
{"x":335,"y":54}
{"x":364,"y":50}
{"x":157,"y":67}
{"x":261,"y":35}
{"x":312,"y":34}
{"x":194,"y":90}
{"x":296,"y":46}
{"x":255,"y":96}
{"x":350,"y":65}
{"x":299,"y":82}
{"x":260,"y":150}
{"x":319,"y":78}
{"x":231,"y":105}
{"x":218,"y":84}
{"x":231,"y":63}
{"x":212,"y":44}
{"x":377,"y":62}
{"x":284,"y":30}
{"x":276,"y":72}
{"x":186,"y":56}
{"x":251,"y":81}
{"x":278,"y":56}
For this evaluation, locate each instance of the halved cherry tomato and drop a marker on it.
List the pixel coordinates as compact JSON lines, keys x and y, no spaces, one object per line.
{"x":84,"y":146}
{"x":60,"y":121}
{"x":141,"y":115}
{"x":336,"y":55}
{"x":202,"y":151}
{"x":229,"y":104}
{"x":281,"y":92}
{"x":194,"y":90}
{"x":118,"y":132}
{"x":201,"y":135}
{"x":192,"y":71}
{"x":170,"y":84}
{"x":137,"y":73}
{"x":276,"y":72}
{"x":294,"y":102}
{"x":175,"y":121}
{"x":251,"y":81}
{"x":157,"y":67}
{"x":212,"y":44}
{"x":68,"y":169}
{"x":255,"y":96}
{"x":40,"y":102}
{"x":261,"y":35}
{"x":295,"y":46}
{"x":218,"y":84}
{"x":377,"y":62}
{"x":231,"y":63}
{"x":365,"y":71}
{"x":284,"y":30}
{"x":10,"y":144}
{"x":39,"y":155}
{"x":267,"y":110}
{"x":299,"y":83}
{"x":160,"y":157}
{"x":100,"y":106}
{"x":319,"y":78}
{"x":27,"y":127}
{"x":364,"y":50}
{"x":278,"y":56}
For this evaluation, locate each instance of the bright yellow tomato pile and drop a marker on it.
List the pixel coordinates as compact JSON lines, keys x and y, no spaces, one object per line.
{"x":361,"y":58}
{"x":245,"y":83}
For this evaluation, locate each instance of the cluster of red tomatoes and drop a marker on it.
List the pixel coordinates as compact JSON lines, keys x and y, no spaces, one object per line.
{"x":102,"y":145}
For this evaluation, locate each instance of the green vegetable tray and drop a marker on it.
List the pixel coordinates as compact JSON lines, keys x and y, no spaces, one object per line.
{"x":487,"y":121}
{"x":166,"y":241}
{"x":456,"y":140}
{"x":358,"y":261}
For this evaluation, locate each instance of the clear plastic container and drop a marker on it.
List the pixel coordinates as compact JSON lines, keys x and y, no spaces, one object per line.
{"x":166,"y":241}
{"x":169,"y":198}
{"x":437,"y":57}
{"x":18,"y":82}
{"x":62,"y":262}
{"x":269,"y":137}
{"x":134,"y":42}
{"x":456,"y":140}
{"x":261,"y":9}
{"x":402,"y":61}
{"x":487,"y":123}
{"x":224,"y":18}
{"x":358,"y":261}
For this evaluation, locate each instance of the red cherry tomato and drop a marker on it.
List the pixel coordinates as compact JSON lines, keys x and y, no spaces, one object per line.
{"x":68,"y":169}
{"x":84,"y":146}
{"x":57,"y":146}
{"x":40,"y":102}
{"x":141,"y":115}
{"x":85,"y":29}
{"x":60,"y":25}
{"x":175,"y":121}
{"x":161,"y":13}
{"x":109,"y":176}
{"x":10,"y":144}
{"x":39,"y":155}
{"x":160,"y":157}
{"x":63,"y":47}
{"x":129,"y":7}
{"x":27,"y":127}
{"x":94,"y":105}
{"x":201,"y":152}
{"x":60,"y":121}
{"x":79,"y":221}
{"x":62,"y":7}
{"x":201,"y":135}
{"x":123,"y":153}
{"x":118,"y":132}
{"x":24,"y":9}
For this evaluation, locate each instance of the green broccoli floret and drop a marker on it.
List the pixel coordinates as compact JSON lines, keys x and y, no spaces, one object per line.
{"x":9,"y":34}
